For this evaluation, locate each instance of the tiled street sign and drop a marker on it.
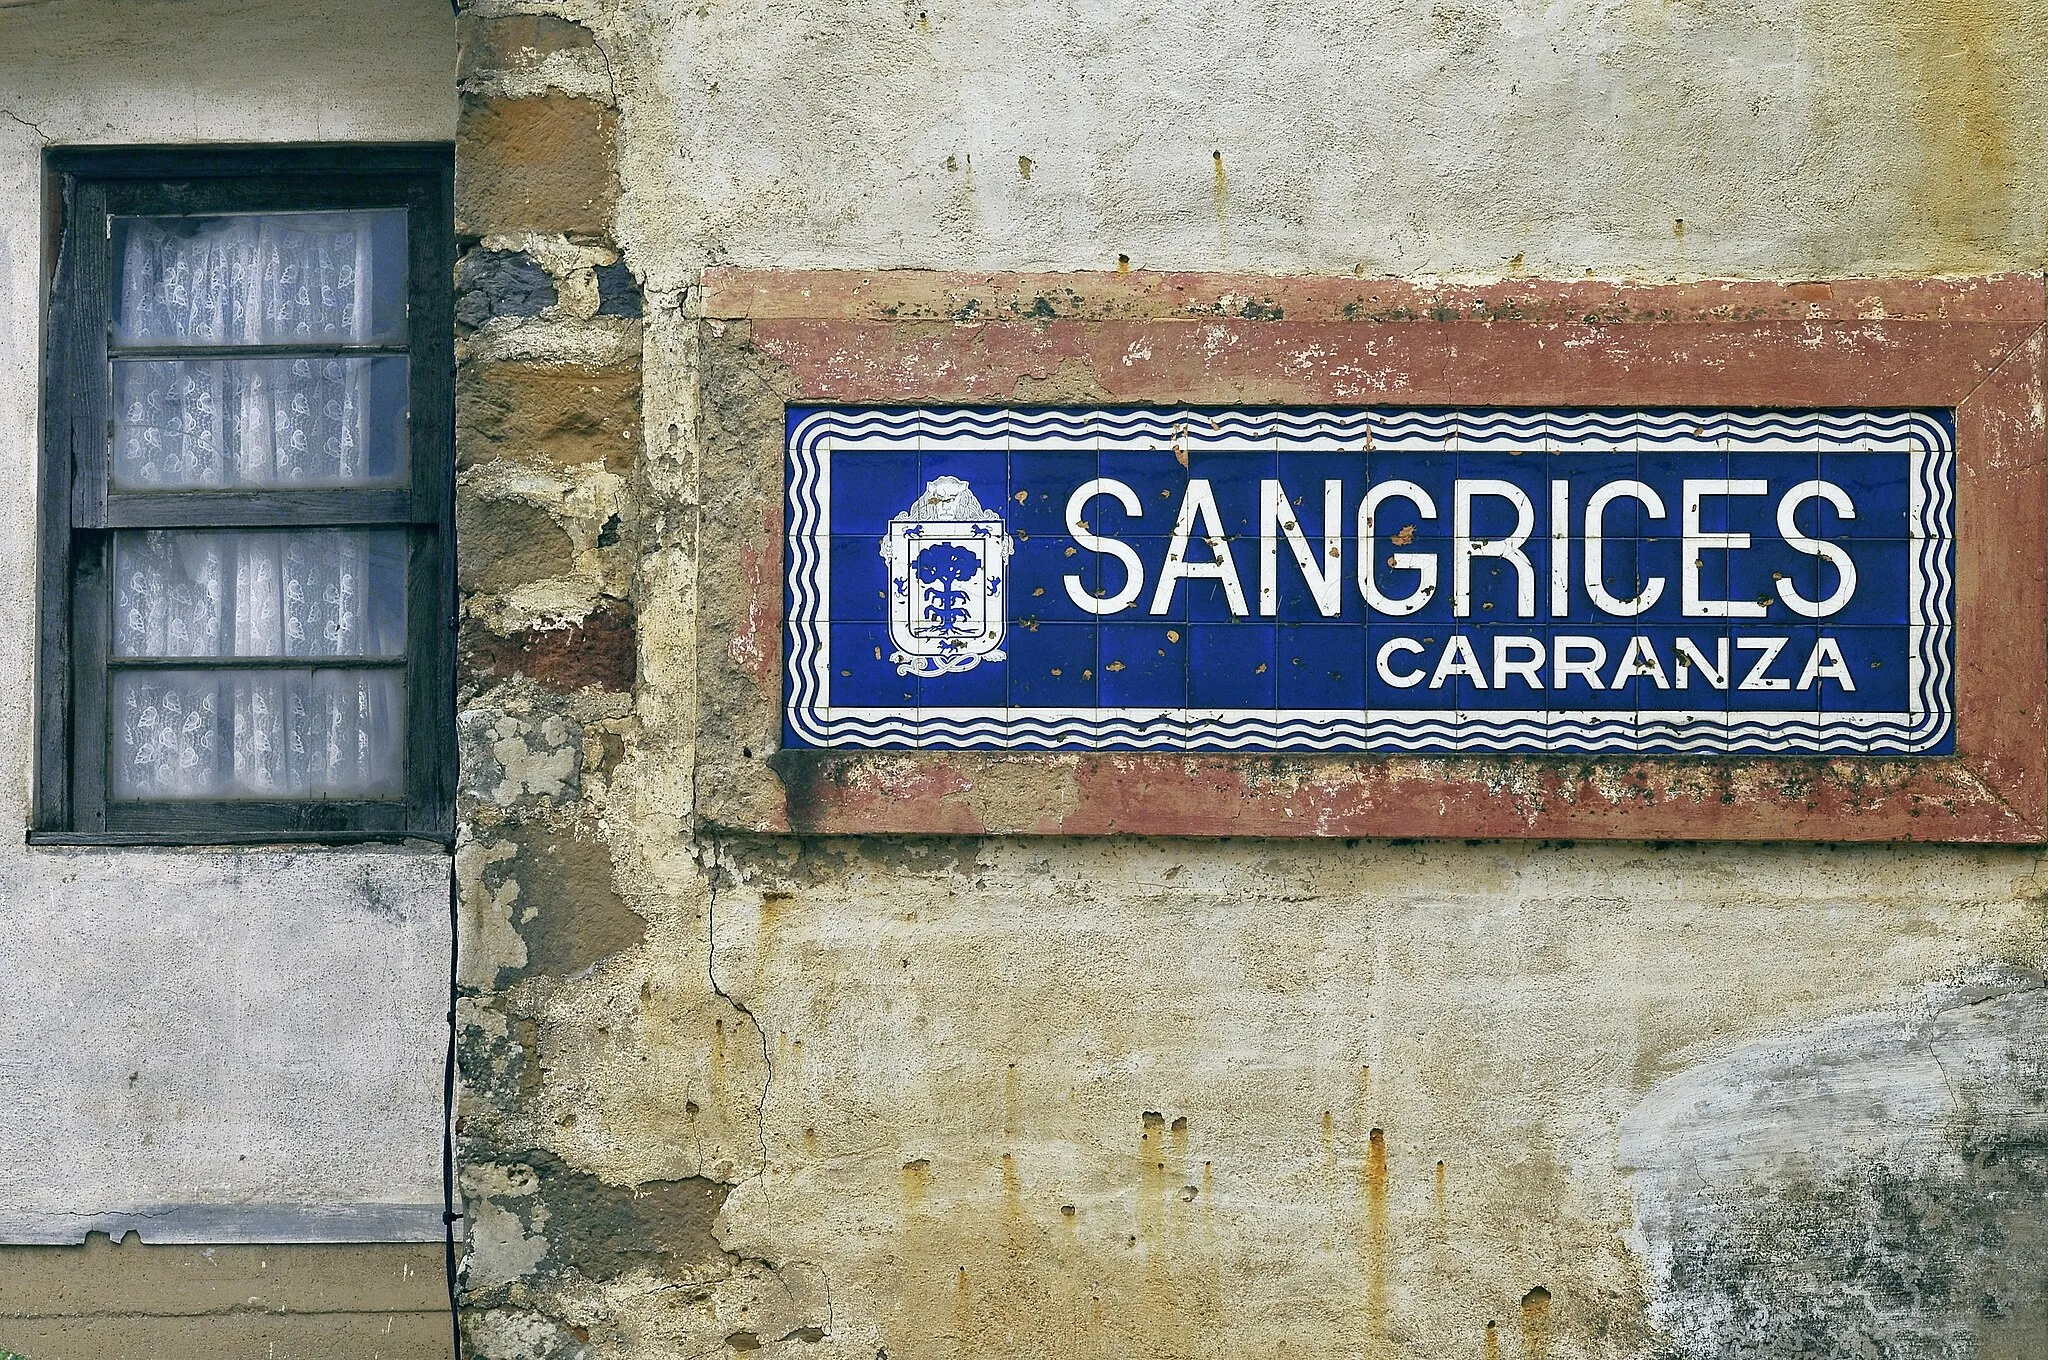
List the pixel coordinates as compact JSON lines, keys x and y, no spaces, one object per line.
{"x":1375,"y":580}
{"x":1205,"y":555}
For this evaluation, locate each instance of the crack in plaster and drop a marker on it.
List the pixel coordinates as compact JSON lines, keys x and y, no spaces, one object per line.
{"x":611,"y":78}
{"x":34,"y":127}
{"x":767,"y":1058}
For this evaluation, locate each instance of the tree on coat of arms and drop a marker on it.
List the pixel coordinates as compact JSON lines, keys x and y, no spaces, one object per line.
{"x":944,"y":566}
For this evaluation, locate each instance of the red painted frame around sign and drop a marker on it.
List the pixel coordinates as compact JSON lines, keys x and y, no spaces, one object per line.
{"x":1974,"y":345}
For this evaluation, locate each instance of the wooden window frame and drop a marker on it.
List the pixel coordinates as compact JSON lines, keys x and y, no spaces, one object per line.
{"x":79,"y":514}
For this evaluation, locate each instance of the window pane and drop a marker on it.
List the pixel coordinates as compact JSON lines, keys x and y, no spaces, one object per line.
{"x":268,"y":593}
{"x":260,"y":279}
{"x":305,"y":422}
{"x":300,"y":734}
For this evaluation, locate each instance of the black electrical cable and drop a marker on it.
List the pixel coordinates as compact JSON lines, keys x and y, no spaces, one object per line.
{"x":449,"y":1217}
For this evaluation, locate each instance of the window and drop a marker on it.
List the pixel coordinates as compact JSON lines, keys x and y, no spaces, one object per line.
{"x":247,"y":534}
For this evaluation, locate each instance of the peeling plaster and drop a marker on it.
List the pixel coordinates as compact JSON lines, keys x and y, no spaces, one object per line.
{"x":1145,"y":1098}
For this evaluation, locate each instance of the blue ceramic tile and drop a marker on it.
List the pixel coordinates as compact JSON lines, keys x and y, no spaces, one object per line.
{"x":1030,"y":430}
{"x":1877,"y":485}
{"x":1583,"y":668}
{"x":1052,"y":666}
{"x":1760,"y":575}
{"x":1295,"y":601}
{"x":1497,"y":586}
{"x":860,"y":579}
{"x":1882,"y":596}
{"x":1143,"y":664}
{"x":1152,"y":555}
{"x":1230,"y":665}
{"x":1702,"y":675}
{"x":1041,"y":484}
{"x":985,"y":686}
{"x":987,"y":473}
{"x":1878,"y":662}
{"x":1235,"y":480}
{"x":1404,"y":585}
{"x":1038,"y":580}
{"x":1585,"y":474}
{"x":869,"y":488}
{"x":1207,"y":652}
{"x":1666,"y":472}
{"x":1458,"y":678}
{"x":1117,"y":578}
{"x":1496,"y":515}
{"x":1209,"y":599}
{"x":1321,"y":666}
{"x":1781,"y":472}
{"x":1160,"y":483}
{"x":1435,"y":475}
{"x":1303,"y":476}
{"x":1715,"y":603}
{"x":1399,"y":662}
{"x":1665,"y":730}
{"x":1776,"y":687}
{"x":1630,"y":570}
{"x":1510,"y":657}
{"x":862,"y":674}
{"x":1936,"y":646}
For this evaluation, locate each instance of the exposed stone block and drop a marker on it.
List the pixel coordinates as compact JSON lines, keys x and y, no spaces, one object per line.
{"x":556,"y":893}
{"x":599,"y":1230}
{"x":518,"y":40}
{"x":491,"y":283}
{"x":507,"y":760}
{"x":546,"y":413}
{"x":598,"y":653}
{"x":570,"y":915}
{"x":544,"y":165}
{"x":618,"y":293}
{"x":500,"y":544}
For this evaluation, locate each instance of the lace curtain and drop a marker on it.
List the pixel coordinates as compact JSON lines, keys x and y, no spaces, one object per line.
{"x":311,"y":731}
{"x":277,"y":279}
{"x":240,"y":422}
{"x":272,"y":733}
{"x":302,"y":278}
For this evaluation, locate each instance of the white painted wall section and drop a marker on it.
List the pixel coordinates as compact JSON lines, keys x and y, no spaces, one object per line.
{"x":204,"y":1045}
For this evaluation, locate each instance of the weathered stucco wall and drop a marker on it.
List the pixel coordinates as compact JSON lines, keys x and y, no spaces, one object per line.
{"x":954,"y":1097}
{"x":205,"y":1046}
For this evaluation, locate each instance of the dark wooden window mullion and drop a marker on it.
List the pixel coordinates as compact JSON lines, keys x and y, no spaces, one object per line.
{"x":207,"y":195}
{"x":91,"y":707}
{"x":203,"y":819}
{"x":54,"y":728}
{"x":164,"y":353}
{"x":260,"y":509}
{"x":430,"y":602}
{"x":89,"y":317}
{"x":89,"y":303}
{"x":256,"y":663}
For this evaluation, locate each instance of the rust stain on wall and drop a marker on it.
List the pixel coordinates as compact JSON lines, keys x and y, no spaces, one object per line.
{"x":1373,"y":1176}
{"x":1536,"y":1324}
{"x":1959,"y":57}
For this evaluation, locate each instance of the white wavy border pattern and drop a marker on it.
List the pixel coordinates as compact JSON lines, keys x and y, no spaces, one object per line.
{"x":815,"y":722}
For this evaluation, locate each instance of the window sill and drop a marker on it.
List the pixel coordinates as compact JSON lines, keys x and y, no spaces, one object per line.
{"x":282,"y":840}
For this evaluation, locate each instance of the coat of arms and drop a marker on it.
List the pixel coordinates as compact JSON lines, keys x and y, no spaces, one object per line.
{"x":946,"y":557}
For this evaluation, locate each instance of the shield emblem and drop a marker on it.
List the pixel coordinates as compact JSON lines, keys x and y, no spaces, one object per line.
{"x":946,"y":560}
